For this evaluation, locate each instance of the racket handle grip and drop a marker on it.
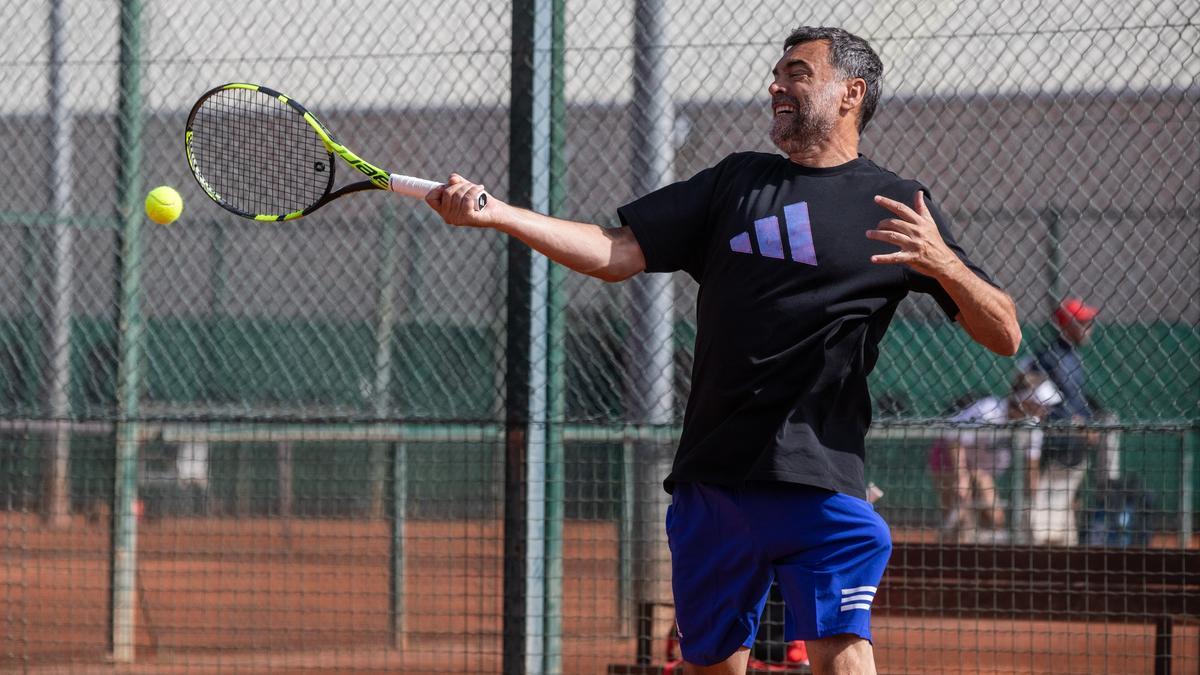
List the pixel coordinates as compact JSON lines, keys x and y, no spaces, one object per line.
{"x":410,"y":186}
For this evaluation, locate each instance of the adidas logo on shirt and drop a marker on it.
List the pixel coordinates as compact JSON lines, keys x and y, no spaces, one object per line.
{"x":769,"y":236}
{"x":857,"y":598}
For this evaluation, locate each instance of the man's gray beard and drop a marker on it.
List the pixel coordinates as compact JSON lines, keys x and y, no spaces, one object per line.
{"x":805,"y":129}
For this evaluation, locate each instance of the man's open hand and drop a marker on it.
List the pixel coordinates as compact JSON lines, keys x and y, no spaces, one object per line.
{"x":914,"y":232}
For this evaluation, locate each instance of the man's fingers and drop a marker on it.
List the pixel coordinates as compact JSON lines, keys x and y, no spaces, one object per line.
{"x":890,"y":237}
{"x":458,"y":195}
{"x":900,"y":257}
{"x":899,"y":208}
{"x":434,"y":196}
{"x":458,"y":201}
{"x":896,"y":225}
{"x":919,"y":202}
{"x":458,"y":185}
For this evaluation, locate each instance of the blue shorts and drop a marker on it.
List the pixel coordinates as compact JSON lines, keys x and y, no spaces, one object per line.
{"x":826,"y":549}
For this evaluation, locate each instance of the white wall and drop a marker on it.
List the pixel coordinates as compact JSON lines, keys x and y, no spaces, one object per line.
{"x":361,"y":53}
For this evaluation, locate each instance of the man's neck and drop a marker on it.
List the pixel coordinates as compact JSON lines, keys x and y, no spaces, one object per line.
{"x":838,"y":149}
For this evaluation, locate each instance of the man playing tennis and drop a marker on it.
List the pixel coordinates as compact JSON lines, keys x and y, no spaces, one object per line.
{"x":802,"y":261}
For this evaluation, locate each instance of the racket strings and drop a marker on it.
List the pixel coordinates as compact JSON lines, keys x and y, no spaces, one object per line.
{"x":258,"y":154}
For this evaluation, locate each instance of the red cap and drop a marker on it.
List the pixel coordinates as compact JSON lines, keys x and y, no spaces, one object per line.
{"x":1074,"y":308}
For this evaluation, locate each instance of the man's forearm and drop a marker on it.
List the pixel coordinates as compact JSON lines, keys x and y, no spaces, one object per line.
{"x":987,"y":313}
{"x":610,"y":254}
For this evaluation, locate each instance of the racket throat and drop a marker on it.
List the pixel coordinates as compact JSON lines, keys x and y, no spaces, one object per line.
{"x":380,"y":178}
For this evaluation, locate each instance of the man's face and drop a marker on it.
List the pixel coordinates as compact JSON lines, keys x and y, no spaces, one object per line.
{"x":806,"y":93}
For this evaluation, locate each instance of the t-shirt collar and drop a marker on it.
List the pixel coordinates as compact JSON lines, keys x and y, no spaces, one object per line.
{"x":826,"y":170}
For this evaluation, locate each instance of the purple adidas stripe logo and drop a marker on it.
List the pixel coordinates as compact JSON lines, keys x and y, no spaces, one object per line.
{"x":769,"y":236}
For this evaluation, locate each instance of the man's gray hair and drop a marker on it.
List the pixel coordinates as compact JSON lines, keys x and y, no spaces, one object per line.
{"x":852,"y":57}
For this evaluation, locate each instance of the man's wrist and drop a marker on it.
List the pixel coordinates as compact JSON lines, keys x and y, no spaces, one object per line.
{"x":506,"y":219}
{"x":954,"y":271}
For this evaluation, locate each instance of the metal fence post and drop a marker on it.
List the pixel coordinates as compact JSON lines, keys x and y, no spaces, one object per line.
{"x":57,"y":339}
{"x":556,"y":332}
{"x":129,"y":336}
{"x":651,"y":376}
{"x":1187,"y":505}
{"x":399,"y":509}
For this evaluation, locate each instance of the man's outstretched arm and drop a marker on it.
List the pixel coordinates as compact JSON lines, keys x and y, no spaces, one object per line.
{"x":609,"y":254}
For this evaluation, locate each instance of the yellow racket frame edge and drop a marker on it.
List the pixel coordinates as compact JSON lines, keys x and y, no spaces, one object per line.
{"x":378,"y":177}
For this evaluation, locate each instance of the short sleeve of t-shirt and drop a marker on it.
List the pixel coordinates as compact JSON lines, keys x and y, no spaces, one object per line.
{"x":672,"y":225}
{"x":920,"y":283}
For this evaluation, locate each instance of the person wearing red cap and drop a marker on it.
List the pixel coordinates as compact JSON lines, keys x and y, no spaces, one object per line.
{"x":1067,"y":451}
{"x":1062,"y":362}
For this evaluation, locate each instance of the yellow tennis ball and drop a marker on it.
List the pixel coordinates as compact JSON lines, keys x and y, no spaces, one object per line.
{"x":163,"y":205}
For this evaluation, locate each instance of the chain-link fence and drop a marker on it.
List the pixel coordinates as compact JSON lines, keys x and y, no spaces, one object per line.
{"x":366,"y":440}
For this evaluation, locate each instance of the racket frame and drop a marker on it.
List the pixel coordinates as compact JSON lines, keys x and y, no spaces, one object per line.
{"x":376,"y":178}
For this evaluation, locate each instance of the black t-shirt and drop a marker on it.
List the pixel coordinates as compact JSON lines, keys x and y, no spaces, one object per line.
{"x":790,"y":312}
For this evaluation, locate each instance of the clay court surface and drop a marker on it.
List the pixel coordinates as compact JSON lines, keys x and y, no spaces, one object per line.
{"x":268,"y":596}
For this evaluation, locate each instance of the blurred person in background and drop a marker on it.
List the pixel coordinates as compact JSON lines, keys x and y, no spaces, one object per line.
{"x":1062,"y":362}
{"x":1073,"y":443}
{"x":1066,"y":453}
{"x":966,"y":461}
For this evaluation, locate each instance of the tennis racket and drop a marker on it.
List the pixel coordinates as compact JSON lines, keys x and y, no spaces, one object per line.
{"x":262,"y":155}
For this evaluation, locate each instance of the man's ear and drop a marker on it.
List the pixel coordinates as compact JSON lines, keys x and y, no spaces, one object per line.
{"x":856,"y":91}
